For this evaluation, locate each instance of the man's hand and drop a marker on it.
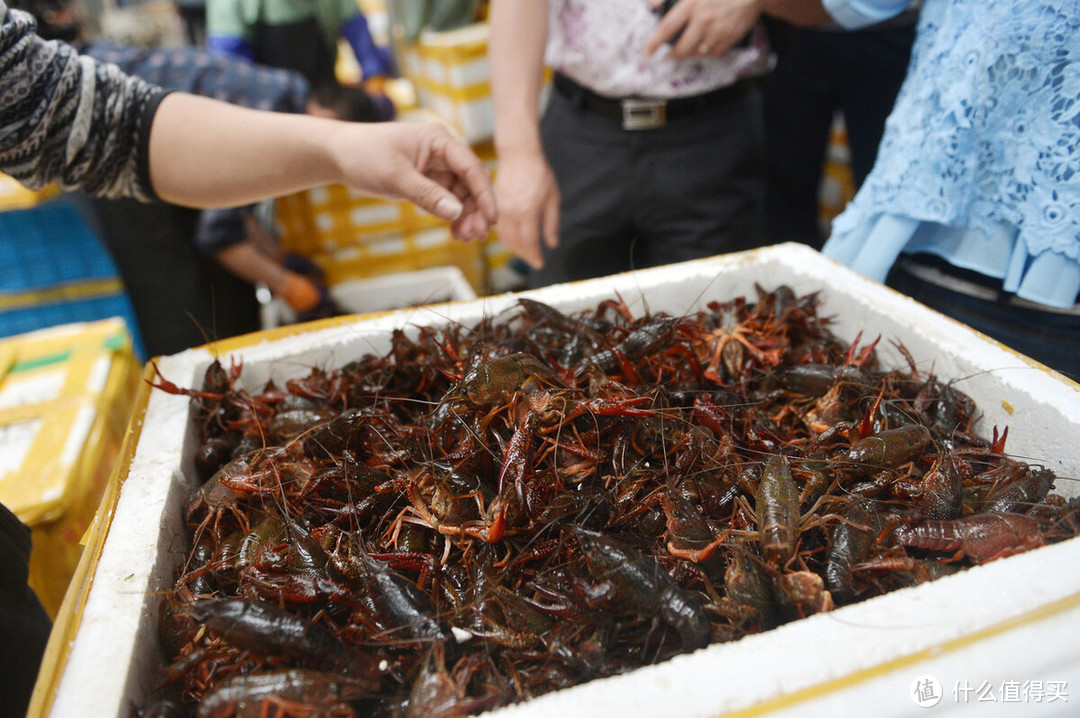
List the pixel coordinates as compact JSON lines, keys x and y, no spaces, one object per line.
{"x":528,"y":206}
{"x":709,"y":27}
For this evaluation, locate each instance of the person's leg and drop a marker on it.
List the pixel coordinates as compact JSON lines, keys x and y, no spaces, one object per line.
{"x":181,"y":298}
{"x":800,"y":102}
{"x":699,"y":184}
{"x":194,"y":17}
{"x":589,"y":157}
{"x":868,"y":88}
{"x":24,"y":624}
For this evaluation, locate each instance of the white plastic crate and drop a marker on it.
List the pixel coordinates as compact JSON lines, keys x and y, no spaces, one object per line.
{"x":383,"y":293}
{"x":1011,"y":620}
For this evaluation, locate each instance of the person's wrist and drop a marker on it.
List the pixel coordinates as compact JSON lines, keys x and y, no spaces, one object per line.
{"x":519,"y":151}
{"x":517,"y":138}
{"x":338,"y":150}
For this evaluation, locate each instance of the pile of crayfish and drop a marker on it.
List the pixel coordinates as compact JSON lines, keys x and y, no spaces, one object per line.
{"x":483,"y":515}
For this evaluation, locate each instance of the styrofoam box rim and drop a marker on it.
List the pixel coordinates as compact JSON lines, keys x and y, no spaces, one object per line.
{"x":838,"y":656}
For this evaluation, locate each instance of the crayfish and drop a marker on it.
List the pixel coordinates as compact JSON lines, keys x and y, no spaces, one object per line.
{"x":480,"y":515}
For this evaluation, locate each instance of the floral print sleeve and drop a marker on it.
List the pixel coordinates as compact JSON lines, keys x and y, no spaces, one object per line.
{"x":68,"y":119}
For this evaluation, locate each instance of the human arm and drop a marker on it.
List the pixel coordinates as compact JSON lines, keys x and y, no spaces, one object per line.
{"x":91,"y":127}
{"x":524,"y":186}
{"x":206,"y":153}
{"x":247,"y":261}
{"x":67,"y":119}
{"x":252,"y":254}
{"x":712,"y":27}
{"x":250,"y":263}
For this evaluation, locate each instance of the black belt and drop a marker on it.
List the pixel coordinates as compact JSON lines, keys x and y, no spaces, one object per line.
{"x":931,"y":269}
{"x":639,"y":113}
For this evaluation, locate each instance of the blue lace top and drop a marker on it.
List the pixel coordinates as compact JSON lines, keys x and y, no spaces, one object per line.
{"x":980,"y":160}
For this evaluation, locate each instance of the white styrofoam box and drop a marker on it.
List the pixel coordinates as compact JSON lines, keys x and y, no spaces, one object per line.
{"x":450,"y":73}
{"x":1013,"y":619}
{"x":475,"y":119}
{"x":383,"y":293}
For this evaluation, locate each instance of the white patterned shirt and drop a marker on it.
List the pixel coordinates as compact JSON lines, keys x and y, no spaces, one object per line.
{"x":599,"y":44}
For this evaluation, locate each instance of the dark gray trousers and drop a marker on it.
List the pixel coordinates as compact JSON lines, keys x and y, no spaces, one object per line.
{"x":24,"y":625}
{"x":633,"y":199}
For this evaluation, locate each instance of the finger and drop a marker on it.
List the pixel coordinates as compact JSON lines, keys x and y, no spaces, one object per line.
{"x":432,"y":196}
{"x":692,"y":43}
{"x":468,"y":208}
{"x":551,"y":223}
{"x":444,"y":177}
{"x":466,"y":229}
{"x":461,"y":191}
{"x":462,"y":228}
{"x":460,"y":160}
{"x":669,"y":26}
{"x":532,"y":255}
{"x":521,"y":237}
{"x":450,"y":181}
{"x":471,"y":225}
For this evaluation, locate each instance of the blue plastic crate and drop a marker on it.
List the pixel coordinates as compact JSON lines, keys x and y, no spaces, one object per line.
{"x":50,"y":247}
{"x":20,"y":321}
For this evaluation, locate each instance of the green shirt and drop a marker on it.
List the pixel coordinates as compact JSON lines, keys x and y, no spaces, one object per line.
{"x":238,"y":18}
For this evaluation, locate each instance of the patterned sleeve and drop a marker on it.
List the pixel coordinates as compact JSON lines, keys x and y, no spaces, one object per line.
{"x":68,"y":119}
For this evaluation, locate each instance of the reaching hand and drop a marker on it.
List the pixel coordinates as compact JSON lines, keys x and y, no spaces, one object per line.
{"x":709,"y":27}
{"x":205,"y":153}
{"x":422,"y":163}
{"x":529,"y":206}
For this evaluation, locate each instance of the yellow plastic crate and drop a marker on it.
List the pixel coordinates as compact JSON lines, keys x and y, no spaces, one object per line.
{"x":327,"y":219}
{"x":451,"y":76}
{"x":14,"y":196}
{"x":65,"y":397}
{"x":405,"y":252}
{"x":837,"y":181}
{"x":354,"y":237}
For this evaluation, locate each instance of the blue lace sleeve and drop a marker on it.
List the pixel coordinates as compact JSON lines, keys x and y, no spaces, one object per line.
{"x":984,"y":139}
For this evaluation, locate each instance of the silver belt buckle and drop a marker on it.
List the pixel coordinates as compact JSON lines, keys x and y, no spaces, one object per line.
{"x":639,"y":114}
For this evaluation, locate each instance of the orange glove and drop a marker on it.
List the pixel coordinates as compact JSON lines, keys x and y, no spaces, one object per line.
{"x":302,"y":294}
